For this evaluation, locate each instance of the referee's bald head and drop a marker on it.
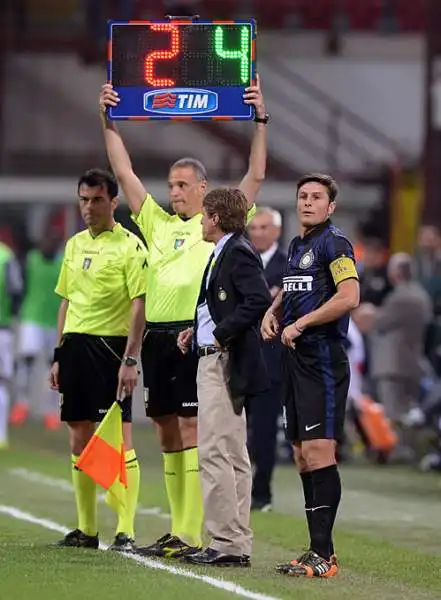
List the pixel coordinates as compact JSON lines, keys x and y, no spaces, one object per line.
{"x":195,"y":164}
{"x":187,"y":184}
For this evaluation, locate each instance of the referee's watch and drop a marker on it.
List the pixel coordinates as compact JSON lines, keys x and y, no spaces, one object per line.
{"x":263,"y":120}
{"x":130,"y":361}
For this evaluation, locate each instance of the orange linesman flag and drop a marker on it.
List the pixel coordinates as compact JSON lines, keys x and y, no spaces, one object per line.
{"x":103,"y":458}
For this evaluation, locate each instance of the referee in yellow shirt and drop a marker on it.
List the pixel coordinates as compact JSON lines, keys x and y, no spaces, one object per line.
{"x":177,"y":258}
{"x":100,"y":327}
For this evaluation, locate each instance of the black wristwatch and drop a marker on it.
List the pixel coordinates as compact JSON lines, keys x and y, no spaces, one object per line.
{"x":263,"y":120}
{"x":130,"y":361}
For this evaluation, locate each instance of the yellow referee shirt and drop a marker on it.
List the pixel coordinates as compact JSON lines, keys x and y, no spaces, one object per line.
{"x":100,"y":277}
{"x":177,"y":257}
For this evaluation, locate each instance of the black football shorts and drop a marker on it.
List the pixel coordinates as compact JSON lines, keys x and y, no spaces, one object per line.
{"x":315,"y":382}
{"x":88,"y":378}
{"x":169,"y":375}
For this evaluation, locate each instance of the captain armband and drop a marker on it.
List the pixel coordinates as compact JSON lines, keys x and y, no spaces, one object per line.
{"x":343,"y":268}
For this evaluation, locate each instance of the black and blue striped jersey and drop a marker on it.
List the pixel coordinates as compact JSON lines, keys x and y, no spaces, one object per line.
{"x":316,"y":264}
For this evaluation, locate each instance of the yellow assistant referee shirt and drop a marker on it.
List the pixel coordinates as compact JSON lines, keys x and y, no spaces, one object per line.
{"x":100,"y":277}
{"x":177,"y":257}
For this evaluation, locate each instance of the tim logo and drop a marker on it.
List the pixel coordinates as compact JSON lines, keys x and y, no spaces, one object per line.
{"x":297,"y":283}
{"x":180,"y":101}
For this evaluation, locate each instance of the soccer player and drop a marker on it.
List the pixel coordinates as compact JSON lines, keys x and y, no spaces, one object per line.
{"x":38,"y":326}
{"x":100,"y":327}
{"x":11,"y":287}
{"x":177,"y":258}
{"x":320,"y":289}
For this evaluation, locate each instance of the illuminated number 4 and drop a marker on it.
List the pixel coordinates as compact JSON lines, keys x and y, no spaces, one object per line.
{"x":241,"y":54}
{"x":150,"y":59}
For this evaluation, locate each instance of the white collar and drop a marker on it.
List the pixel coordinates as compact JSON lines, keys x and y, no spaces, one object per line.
{"x":268,"y":254}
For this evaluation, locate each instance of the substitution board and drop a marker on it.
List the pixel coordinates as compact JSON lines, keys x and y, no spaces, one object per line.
{"x":180,"y":69}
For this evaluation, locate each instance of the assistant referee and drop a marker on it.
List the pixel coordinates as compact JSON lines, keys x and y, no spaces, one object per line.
{"x":177,"y":258}
{"x":100,"y":327}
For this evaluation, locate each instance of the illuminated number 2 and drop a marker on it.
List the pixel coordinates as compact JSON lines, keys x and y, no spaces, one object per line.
{"x":161,"y":55}
{"x":241,"y":54}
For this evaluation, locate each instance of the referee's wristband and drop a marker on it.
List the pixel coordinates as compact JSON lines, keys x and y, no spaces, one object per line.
{"x":56,"y":354}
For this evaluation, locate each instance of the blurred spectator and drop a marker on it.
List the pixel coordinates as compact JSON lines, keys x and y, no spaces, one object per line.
{"x":11,"y":286}
{"x":37,"y":335}
{"x":264,"y":409}
{"x":428,"y":260}
{"x":374,"y":282}
{"x":428,"y":273}
{"x":397,"y":341}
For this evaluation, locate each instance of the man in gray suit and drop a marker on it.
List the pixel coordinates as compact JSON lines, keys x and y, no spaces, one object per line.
{"x":398,"y":335}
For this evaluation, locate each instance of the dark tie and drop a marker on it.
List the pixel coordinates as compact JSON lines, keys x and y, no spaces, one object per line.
{"x":203,"y":294}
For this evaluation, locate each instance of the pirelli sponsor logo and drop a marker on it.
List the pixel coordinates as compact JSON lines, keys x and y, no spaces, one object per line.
{"x":298,"y":283}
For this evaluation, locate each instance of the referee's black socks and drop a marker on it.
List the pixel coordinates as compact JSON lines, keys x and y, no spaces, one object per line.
{"x":322,"y":491}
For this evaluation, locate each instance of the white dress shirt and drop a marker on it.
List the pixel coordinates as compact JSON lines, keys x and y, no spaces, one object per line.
{"x":206,"y":325}
{"x":356,"y":357}
{"x":268,"y":254}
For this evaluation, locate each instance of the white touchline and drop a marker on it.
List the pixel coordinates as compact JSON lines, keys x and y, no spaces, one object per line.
{"x":227,"y":586}
{"x":66,"y":486}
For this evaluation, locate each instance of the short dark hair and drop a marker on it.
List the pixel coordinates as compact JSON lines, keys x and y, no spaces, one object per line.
{"x":195,"y":164}
{"x":325,"y":180}
{"x":101,"y":178}
{"x":230,"y":205}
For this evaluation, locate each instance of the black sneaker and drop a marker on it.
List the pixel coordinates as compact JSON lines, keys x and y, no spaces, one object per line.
{"x":123,"y":543}
{"x":156,"y":548}
{"x":78,"y":539}
{"x":245,"y":560}
{"x":169,"y":546}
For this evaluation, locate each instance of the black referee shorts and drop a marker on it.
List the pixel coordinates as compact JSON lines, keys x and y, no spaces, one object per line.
{"x":169,"y":375}
{"x":315,"y":382}
{"x":88,"y":378}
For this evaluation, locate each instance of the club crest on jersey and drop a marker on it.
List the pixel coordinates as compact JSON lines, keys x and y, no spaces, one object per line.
{"x":179,"y":243}
{"x":222,"y":295}
{"x":86,"y":263}
{"x":306,"y":260}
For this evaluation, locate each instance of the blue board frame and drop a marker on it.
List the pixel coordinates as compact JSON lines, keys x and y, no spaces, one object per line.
{"x":165,"y":103}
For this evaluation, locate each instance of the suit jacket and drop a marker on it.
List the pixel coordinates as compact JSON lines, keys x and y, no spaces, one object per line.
{"x":237,"y":298}
{"x":397,"y":341}
{"x":272,"y":351}
{"x":374,"y":285}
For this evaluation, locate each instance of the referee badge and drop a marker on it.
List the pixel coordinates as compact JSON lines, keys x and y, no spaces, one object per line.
{"x":222,"y":294}
{"x":86,"y":263}
{"x":179,"y":242}
{"x":306,"y":260}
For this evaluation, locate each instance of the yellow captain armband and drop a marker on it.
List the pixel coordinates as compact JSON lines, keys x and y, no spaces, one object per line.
{"x":343,"y":268}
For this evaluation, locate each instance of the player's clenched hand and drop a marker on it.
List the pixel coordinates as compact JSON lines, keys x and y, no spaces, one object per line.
{"x":184,"y":340}
{"x":53,"y":376}
{"x":289,"y":335}
{"x":270,"y":326}
{"x":127,"y":380}
{"x":108,"y":97}
{"x":253,"y":95}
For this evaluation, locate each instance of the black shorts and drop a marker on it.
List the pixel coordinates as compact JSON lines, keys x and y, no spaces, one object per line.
{"x":169,"y":375}
{"x":88,"y":378}
{"x":315,"y":382}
